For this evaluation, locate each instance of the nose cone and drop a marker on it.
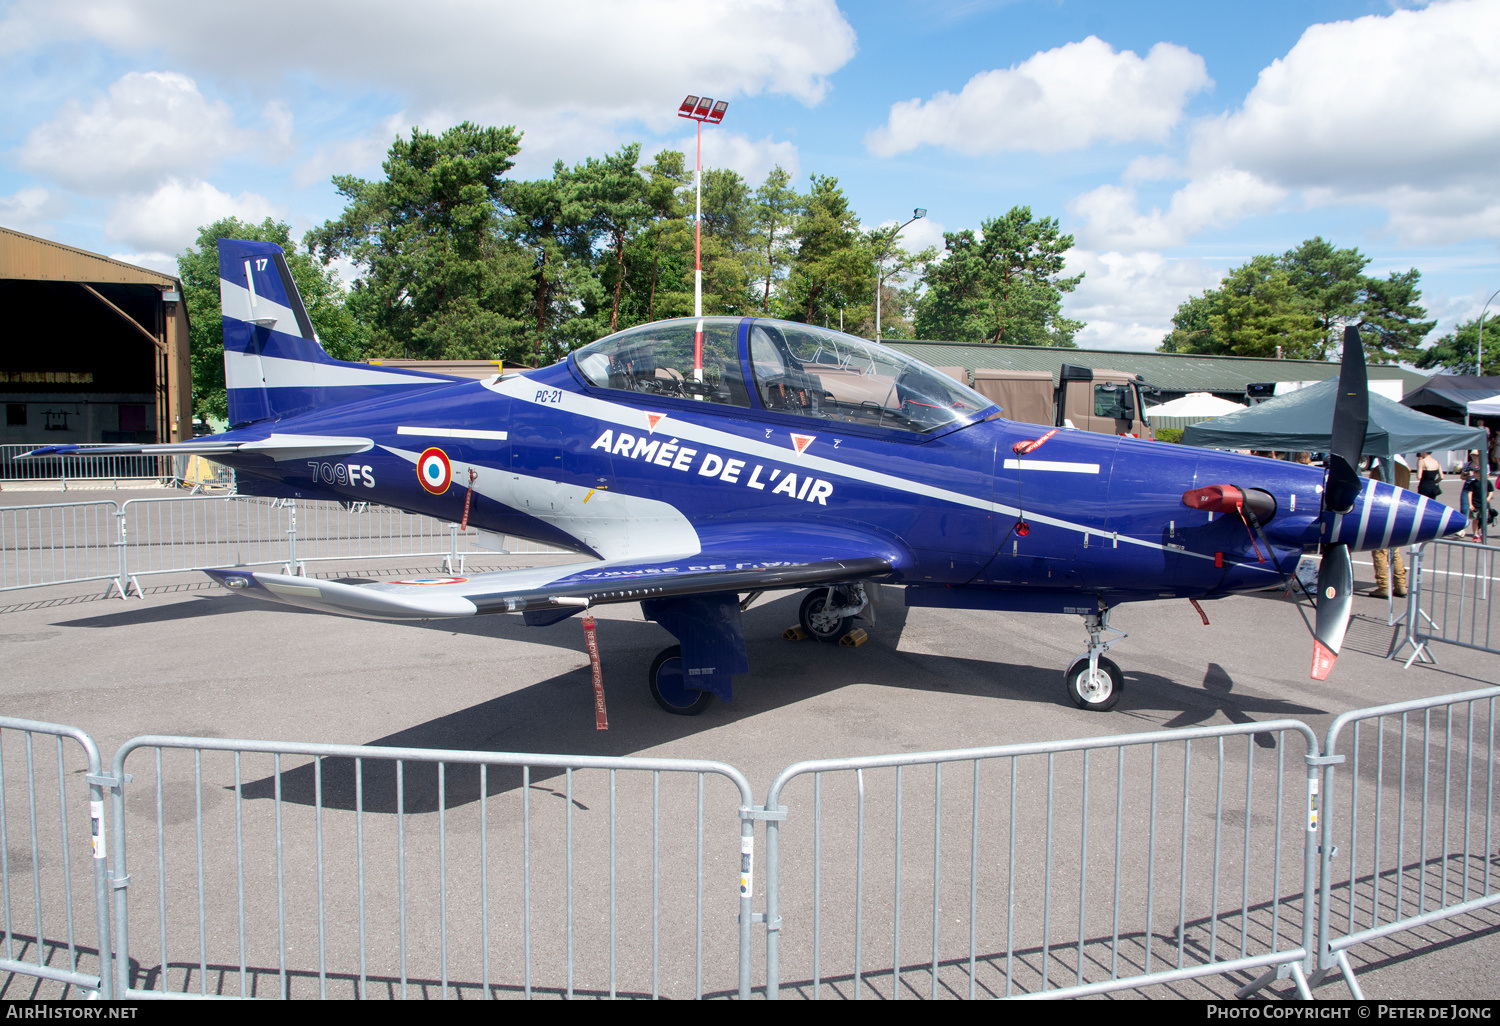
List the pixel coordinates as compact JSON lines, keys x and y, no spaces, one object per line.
{"x":1385,"y":516}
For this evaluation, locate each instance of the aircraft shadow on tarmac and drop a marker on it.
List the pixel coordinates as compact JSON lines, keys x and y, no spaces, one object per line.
{"x":555,"y":715}
{"x":548,"y":716}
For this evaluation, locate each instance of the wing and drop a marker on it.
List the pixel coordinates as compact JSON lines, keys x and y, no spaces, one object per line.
{"x":736,"y":560}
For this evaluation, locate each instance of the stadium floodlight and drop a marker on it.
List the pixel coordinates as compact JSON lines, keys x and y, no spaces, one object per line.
{"x":699,"y":109}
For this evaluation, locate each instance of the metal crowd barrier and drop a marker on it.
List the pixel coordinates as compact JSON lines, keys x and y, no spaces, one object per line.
{"x":1413,"y":846}
{"x":49,"y":854}
{"x":1053,"y":869}
{"x":60,"y":544}
{"x":1045,"y":869}
{"x":106,"y":540}
{"x":1451,"y":599}
{"x":363,"y":871}
{"x":81,"y":467}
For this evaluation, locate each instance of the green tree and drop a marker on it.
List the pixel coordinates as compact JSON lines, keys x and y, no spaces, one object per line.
{"x":1003,"y":286}
{"x":893,"y":266}
{"x":1191,"y":328}
{"x":1257,"y":310}
{"x":609,"y":199}
{"x":1301,"y":301}
{"x":774,"y":215}
{"x":541,"y":221}
{"x":436,"y":281}
{"x":1456,"y":351}
{"x":323,"y":294}
{"x":830,"y":272}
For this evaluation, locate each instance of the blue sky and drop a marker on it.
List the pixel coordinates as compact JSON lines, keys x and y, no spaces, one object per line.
{"x":1173,"y":140}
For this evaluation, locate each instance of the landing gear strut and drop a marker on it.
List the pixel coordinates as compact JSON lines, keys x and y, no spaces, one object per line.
{"x":1093,"y":681}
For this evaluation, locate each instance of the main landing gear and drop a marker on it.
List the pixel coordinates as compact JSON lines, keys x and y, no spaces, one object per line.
{"x":1093,"y":681}
{"x":828,"y":613}
{"x":669,"y":685}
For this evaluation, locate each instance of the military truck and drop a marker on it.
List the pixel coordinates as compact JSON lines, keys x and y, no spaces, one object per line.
{"x":1107,"y":401}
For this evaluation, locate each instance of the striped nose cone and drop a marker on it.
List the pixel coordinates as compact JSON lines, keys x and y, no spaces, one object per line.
{"x":1385,"y":516}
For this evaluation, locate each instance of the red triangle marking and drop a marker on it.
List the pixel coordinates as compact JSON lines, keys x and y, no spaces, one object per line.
{"x":653,"y":419}
{"x":801,"y":442}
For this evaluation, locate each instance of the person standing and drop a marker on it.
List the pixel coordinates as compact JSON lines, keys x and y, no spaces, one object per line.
{"x":1388,"y":560}
{"x":1469,"y":498}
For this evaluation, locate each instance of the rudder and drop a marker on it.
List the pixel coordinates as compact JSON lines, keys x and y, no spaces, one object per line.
{"x":274,"y":366}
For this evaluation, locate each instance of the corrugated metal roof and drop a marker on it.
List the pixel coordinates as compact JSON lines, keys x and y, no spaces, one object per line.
{"x":29,"y":258}
{"x":1171,"y":372}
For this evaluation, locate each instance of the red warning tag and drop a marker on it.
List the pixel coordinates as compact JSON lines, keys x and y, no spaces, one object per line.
{"x":801,"y":442}
{"x":591,"y":641}
{"x":653,"y":419}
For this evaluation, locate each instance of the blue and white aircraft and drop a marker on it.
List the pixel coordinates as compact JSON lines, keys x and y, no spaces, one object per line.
{"x":696,"y":461}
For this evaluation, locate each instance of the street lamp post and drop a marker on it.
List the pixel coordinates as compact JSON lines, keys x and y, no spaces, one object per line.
{"x":1479,"y":354}
{"x":699,"y":109}
{"x":920,"y":212}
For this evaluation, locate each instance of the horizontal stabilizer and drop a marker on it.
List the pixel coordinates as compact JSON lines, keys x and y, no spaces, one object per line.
{"x":279,"y":447}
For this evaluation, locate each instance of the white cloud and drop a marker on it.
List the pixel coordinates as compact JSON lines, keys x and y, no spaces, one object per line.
{"x":151,"y":125}
{"x":752,"y":158}
{"x":358,"y":156}
{"x":1128,"y":300}
{"x":1399,"y":112}
{"x":1067,"y":98}
{"x":167,"y":220}
{"x":164,"y":262}
{"x":30,"y":211}
{"x":621,"y":59}
{"x":1112,"y":220}
{"x":1382,"y":101}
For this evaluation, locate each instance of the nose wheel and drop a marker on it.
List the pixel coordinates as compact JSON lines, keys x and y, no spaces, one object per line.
{"x":1094,"y":682}
{"x":1098,"y":688}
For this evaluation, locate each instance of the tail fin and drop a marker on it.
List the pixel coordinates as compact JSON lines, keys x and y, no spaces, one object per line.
{"x":273,"y":364}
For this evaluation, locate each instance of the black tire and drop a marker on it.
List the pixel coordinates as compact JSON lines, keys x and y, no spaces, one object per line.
{"x":1106,"y":691}
{"x":810,"y":616}
{"x":669,"y":689}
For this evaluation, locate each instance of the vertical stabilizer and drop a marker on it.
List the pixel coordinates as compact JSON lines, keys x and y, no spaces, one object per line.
{"x":274,"y":366}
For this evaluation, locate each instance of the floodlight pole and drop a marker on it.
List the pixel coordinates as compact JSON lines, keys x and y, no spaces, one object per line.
{"x":699,"y":109}
{"x":880,"y":267}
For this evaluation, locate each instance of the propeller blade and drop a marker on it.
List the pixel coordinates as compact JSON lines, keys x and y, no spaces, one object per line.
{"x":1335,"y":603}
{"x":1351,"y":410}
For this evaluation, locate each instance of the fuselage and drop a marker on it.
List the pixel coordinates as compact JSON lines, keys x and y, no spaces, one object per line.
{"x":552,"y":456}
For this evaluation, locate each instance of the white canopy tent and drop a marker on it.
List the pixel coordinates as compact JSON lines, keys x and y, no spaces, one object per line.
{"x":1485,"y":407}
{"x":1196,"y":404}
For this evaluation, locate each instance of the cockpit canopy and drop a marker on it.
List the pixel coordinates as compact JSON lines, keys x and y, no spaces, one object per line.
{"x":793,"y":369}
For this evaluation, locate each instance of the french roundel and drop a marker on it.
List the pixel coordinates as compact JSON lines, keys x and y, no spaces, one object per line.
{"x":434,"y":471}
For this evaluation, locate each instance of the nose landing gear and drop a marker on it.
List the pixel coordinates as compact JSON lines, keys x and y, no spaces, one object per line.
{"x":1094,"y":682}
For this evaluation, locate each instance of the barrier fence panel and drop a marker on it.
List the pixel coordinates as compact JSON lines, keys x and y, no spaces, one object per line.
{"x":52,"y":860}
{"x":363,"y":530}
{"x":58,"y":544}
{"x":189,"y":532}
{"x":1453,"y":597}
{"x":267,"y":869}
{"x":1052,"y":869}
{"x":1410,"y":813}
{"x":80,"y":467}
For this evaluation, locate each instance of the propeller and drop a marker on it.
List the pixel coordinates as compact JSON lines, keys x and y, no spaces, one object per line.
{"x":1341,"y":487}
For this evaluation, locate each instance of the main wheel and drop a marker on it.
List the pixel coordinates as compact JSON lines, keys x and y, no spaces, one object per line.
{"x":669,"y":685}
{"x":815,"y":622}
{"x":1099,"y":693}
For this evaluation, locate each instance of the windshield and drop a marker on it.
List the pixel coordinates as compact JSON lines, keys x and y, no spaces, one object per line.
{"x":815,"y":372}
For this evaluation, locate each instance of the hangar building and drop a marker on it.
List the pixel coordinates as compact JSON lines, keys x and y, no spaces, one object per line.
{"x":95,"y":350}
